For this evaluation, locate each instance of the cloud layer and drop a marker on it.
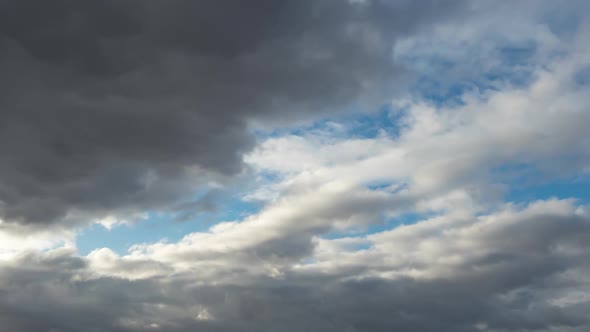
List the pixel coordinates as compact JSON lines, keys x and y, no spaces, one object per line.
{"x":117,"y":109}
{"x":519,"y":269}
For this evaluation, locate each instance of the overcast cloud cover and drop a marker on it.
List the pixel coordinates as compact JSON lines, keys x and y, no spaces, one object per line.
{"x":414,"y":165}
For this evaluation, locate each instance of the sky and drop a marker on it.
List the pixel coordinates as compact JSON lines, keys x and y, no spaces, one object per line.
{"x":294,"y":165}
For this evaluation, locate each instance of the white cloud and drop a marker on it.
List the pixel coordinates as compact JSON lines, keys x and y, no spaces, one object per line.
{"x":14,"y":240}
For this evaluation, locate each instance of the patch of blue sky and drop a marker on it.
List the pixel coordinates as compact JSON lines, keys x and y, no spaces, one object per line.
{"x":365,"y":124}
{"x":268,"y":177}
{"x":440,"y":93}
{"x":384,"y":120}
{"x":121,"y":237}
{"x":160,"y":227}
{"x":235,"y":209}
{"x":407,"y":218}
{"x":391,"y":187}
{"x":443,"y":81}
{"x":526,"y":183}
{"x":379,"y":185}
{"x":387,"y":223}
{"x":563,"y":188}
{"x":320,"y":124}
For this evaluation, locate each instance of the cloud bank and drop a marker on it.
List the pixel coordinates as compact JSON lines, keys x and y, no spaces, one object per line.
{"x":117,"y":109}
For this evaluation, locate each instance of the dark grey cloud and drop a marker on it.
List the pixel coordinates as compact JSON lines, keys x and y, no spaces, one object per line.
{"x":107,"y":106}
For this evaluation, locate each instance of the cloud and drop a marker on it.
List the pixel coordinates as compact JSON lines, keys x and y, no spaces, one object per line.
{"x":406,"y":230}
{"x":441,"y":148}
{"x":124,"y":106}
{"x":442,"y":274}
